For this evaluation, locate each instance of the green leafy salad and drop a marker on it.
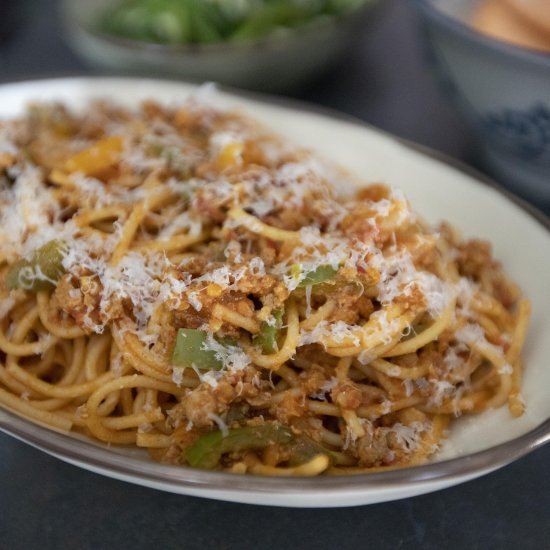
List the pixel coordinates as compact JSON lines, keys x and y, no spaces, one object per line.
{"x":212,"y":21}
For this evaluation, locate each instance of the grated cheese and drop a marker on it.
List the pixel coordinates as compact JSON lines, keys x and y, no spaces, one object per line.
{"x":233,"y":358}
{"x":220,"y":423}
{"x":177,"y":376}
{"x":194,"y":300}
{"x":325,"y":388}
{"x":440,"y":390}
{"x":409,"y":437}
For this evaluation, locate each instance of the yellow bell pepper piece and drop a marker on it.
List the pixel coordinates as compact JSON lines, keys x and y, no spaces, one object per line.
{"x":230,"y":155}
{"x":96,"y":158}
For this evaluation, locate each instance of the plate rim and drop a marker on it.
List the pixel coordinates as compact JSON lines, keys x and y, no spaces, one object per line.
{"x":448,"y":472}
{"x":94,"y":456}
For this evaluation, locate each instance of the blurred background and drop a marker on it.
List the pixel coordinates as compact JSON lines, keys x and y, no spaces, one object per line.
{"x":470,"y":78}
{"x":382,"y":79}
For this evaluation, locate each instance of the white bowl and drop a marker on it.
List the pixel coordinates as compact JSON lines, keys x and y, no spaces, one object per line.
{"x":502,"y":90}
{"x":477,"y":444}
{"x":276,"y":63}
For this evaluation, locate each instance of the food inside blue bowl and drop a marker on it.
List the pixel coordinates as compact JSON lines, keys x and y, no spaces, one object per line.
{"x":524,"y":23}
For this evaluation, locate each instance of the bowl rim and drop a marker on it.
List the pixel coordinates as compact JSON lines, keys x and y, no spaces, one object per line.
{"x":99,"y":458}
{"x":534,"y":57}
{"x":317,"y":24}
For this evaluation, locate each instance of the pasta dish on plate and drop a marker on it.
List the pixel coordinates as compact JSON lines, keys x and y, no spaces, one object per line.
{"x":179,"y":279}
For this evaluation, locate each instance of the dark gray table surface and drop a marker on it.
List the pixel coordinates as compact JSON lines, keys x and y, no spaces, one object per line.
{"x":47,"y":504}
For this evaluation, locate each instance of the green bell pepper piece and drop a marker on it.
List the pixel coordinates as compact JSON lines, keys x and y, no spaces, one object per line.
{"x":266,"y":339}
{"x":303,"y":449}
{"x":189,"y":351}
{"x":207,"y":451}
{"x":42,"y":271}
{"x":322,"y":274}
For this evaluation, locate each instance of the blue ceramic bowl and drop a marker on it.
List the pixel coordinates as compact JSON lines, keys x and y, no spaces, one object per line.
{"x":503,"y":91}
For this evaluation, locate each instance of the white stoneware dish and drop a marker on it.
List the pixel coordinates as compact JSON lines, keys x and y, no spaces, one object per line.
{"x":477,"y":444}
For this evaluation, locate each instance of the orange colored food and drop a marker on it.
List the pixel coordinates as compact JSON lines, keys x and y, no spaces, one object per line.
{"x":525,"y":23}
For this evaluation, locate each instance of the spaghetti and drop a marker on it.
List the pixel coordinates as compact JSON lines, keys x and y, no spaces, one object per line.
{"x":179,"y":279}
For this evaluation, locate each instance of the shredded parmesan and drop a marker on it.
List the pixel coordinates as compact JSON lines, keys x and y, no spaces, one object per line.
{"x":220,"y":423}
{"x":233,"y":358}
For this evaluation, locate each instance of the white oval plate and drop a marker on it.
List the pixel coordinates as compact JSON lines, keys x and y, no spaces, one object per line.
{"x":477,"y":444}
